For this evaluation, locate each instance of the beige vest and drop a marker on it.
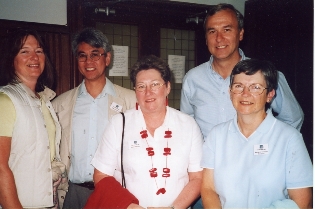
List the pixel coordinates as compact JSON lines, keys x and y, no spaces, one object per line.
{"x":30,"y":153}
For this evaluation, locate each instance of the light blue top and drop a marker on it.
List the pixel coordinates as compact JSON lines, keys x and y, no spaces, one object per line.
{"x":90,"y":118}
{"x":255,"y":172}
{"x":205,"y":96}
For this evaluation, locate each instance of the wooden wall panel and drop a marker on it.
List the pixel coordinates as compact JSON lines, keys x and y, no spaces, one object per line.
{"x":282,"y":31}
{"x":61,"y":58}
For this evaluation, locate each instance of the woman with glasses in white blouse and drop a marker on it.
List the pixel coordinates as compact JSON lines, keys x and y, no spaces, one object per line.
{"x":161,"y":148}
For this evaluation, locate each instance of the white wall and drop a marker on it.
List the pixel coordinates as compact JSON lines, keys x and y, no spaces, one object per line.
{"x":55,"y":11}
{"x":40,"y":11}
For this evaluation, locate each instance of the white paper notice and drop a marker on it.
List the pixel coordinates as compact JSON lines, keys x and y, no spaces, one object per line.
{"x":177,"y":65}
{"x":120,"y":61}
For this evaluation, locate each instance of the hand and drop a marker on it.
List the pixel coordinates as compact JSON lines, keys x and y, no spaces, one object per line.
{"x":159,"y":208}
{"x":135,"y":206}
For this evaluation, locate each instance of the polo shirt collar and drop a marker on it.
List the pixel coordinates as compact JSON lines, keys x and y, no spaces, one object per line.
{"x":263,"y":128}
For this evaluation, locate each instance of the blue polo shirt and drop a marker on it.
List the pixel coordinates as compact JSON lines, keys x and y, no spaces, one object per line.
{"x":255,"y":172}
{"x":205,"y":96}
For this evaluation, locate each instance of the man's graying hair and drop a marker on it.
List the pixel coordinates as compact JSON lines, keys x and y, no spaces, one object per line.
{"x":93,"y":37}
{"x":223,"y":6}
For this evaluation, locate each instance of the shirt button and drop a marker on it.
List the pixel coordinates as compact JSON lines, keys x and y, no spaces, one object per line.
{"x":47,"y":147}
{"x":89,"y":173}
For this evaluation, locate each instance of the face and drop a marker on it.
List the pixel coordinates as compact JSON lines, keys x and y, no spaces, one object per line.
{"x":247,"y":104}
{"x":148,"y":100}
{"x":29,"y":63}
{"x":93,"y":70}
{"x":223,"y":35}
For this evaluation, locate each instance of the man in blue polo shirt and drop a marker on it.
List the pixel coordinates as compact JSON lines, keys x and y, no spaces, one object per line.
{"x":205,"y":92}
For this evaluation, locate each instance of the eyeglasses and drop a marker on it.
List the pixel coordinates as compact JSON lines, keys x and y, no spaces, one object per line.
{"x":254,"y":89}
{"x":153,"y":87}
{"x":94,"y":56}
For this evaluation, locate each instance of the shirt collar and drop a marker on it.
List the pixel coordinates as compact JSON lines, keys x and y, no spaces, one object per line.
{"x":108,"y":89}
{"x":264,"y":127}
{"x":166,"y":123}
{"x":211,"y":60}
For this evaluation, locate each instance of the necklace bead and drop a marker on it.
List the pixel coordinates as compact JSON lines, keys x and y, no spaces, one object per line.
{"x":167,"y":151}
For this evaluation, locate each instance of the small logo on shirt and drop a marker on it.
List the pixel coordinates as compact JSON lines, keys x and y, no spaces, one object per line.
{"x":116,"y":107}
{"x":261,"y":149}
{"x":134,"y":144}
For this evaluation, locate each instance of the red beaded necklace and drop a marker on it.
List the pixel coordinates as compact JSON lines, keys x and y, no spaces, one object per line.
{"x":153,"y":170}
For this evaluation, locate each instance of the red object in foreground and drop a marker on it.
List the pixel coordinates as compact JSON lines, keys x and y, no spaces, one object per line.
{"x":109,"y":193}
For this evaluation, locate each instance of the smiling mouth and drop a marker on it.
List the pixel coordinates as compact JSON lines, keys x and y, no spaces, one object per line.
{"x":90,"y":68}
{"x":150,"y":100}
{"x":33,"y":65}
{"x":246,"y":103}
{"x":221,"y":47}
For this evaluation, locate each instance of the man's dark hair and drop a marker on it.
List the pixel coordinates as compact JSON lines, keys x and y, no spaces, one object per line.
{"x":93,"y":37}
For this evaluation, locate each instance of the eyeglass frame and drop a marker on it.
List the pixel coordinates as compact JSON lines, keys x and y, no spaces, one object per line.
{"x":160,"y":85}
{"x":264,"y":88}
{"x":90,"y":56}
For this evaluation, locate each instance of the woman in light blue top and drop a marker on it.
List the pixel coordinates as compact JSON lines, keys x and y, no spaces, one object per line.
{"x":255,"y":160}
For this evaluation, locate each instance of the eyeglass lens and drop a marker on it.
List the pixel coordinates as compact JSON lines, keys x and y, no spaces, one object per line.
{"x":153,"y":87}
{"x":254,"y":89}
{"x":94,"y":56}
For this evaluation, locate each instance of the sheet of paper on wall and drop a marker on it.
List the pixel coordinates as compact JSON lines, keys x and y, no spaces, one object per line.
{"x":177,"y":66}
{"x":120,"y":61}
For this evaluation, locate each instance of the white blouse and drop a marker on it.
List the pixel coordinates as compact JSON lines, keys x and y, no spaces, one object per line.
{"x":185,"y":143}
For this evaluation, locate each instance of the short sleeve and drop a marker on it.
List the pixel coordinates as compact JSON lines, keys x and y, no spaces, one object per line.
{"x":299,"y":169}
{"x":208,"y":151}
{"x":7,"y":115}
{"x":196,"y":149}
{"x":108,"y":148}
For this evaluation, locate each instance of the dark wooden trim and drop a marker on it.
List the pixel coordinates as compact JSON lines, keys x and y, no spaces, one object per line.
{"x":41,"y":27}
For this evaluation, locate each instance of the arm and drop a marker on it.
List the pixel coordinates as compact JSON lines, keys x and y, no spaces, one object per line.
{"x":98,"y":175}
{"x":185,"y":105}
{"x":8,"y":192}
{"x":210,"y":199}
{"x":117,"y":196}
{"x":302,"y":197}
{"x":299,"y":198}
{"x":286,"y":106}
{"x":190,"y":192}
